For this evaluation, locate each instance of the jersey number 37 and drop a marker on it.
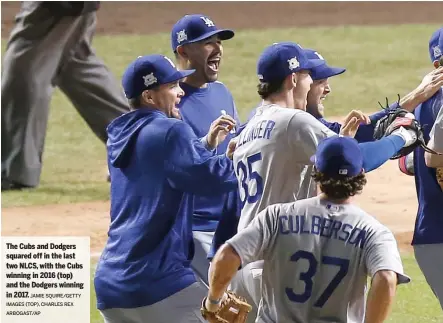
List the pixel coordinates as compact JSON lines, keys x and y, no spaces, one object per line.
{"x":307,"y":277}
{"x":247,"y":178}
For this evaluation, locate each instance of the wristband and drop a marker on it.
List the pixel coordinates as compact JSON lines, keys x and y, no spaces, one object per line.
{"x":215,"y":301}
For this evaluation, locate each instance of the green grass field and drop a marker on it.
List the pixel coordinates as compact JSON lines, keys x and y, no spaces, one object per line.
{"x":414,"y":302}
{"x":381,"y":61}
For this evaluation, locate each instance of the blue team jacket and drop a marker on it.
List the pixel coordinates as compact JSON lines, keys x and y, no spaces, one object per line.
{"x":429,"y":221}
{"x":153,"y":160}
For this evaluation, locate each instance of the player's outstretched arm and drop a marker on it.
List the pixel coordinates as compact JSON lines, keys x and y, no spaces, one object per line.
{"x":190,"y":167}
{"x":223,"y":268}
{"x":249,"y":245}
{"x":381,"y":296}
{"x":430,"y":84}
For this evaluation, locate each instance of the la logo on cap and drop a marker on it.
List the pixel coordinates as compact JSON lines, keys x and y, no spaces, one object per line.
{"x":181,"y":36}
{"x":293,"y":63}
{"x":208,"y":21}
{"x":150,"y":79}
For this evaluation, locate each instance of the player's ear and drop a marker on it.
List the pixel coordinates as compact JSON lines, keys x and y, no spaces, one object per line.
{"x":148,"y":97}
{"x":181,"y":52}
{"x":294,"y":79}
{"x":290,"y":81}
{"x":436,"y":64}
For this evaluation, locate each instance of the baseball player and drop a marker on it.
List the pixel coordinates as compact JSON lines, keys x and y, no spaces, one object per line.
{"x":50,"y":46}
{"x":144,"y":273}
{"x":272,"y":158}
{"x":319,"y":251}
{"x":197,"y":44}
{"x":428,"y":240}
{"x":321,"y":88}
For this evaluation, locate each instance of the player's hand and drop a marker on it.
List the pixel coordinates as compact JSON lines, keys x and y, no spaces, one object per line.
{"x":431,"y":83}
{"x":350,"y":128}
{"x":231,"y":148}
{"x":352,"y":121}
{"x":219,"y":130}
{"x":362,"y":118}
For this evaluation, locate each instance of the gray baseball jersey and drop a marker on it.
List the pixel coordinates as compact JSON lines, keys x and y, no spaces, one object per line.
{"x":437,"y":131}
{"x":272,"y":158}
{"x":317,"y":257}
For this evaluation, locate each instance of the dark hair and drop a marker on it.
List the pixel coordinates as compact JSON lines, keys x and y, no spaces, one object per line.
{"x":339,"y":188}
{"x":265,"y":89}
{"x":135,"y":103}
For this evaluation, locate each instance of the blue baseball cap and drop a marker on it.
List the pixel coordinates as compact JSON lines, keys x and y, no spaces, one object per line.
{"x":193,"y":28}
{"x":436,"y":45}
{"x":323,"y":71}
{"x":147,"y":72}
{"x":338,"y":157}
{"x":282,"y":59}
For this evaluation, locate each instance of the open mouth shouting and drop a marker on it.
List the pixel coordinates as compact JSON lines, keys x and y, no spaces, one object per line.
{"x":214,"y":63}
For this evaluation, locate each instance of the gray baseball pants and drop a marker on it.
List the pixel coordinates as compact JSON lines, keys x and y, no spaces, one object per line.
{"x":430,"y":260}
{"x":200,"y":262}
{"x":43,"y":52}
{"x":247,"y":283}
{"x":182,"y":307}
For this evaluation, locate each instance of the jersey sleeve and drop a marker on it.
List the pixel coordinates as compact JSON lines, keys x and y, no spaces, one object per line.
{"x":304,"y":134}
{"x":190,"y":167}
{"x":381,"y":253}
{"x":436,"y":133}
{"x":253,"y":242}
{"x":333,"y":126}
{"x":364,"y":133}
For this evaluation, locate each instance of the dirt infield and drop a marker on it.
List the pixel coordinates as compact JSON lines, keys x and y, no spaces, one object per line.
{"x":397,"y":210}
{"x":92,"y":219}
{"x":150,"y":17}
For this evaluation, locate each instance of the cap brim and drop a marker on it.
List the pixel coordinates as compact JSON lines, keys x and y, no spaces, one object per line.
{"x":224,"y":34}
{"x":179,"y":75}
{"x":325,"y":71}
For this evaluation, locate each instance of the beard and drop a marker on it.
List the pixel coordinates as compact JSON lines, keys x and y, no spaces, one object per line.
{"x":316,"y":110}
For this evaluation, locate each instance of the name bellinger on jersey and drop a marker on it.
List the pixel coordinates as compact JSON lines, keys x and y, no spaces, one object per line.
{"x":263,"y":130}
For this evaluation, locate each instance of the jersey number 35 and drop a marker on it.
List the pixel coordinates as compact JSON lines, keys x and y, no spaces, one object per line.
{"x":247,"y":177}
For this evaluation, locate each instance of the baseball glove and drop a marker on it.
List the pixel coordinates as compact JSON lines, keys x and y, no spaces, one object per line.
{"x":393,"y":120}
{"x":233,"y":309}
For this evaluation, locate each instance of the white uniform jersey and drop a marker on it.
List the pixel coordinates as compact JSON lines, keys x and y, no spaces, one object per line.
{"x":272,"y":158}
{"x":437,"y":131}
{"x":317,"y":257}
